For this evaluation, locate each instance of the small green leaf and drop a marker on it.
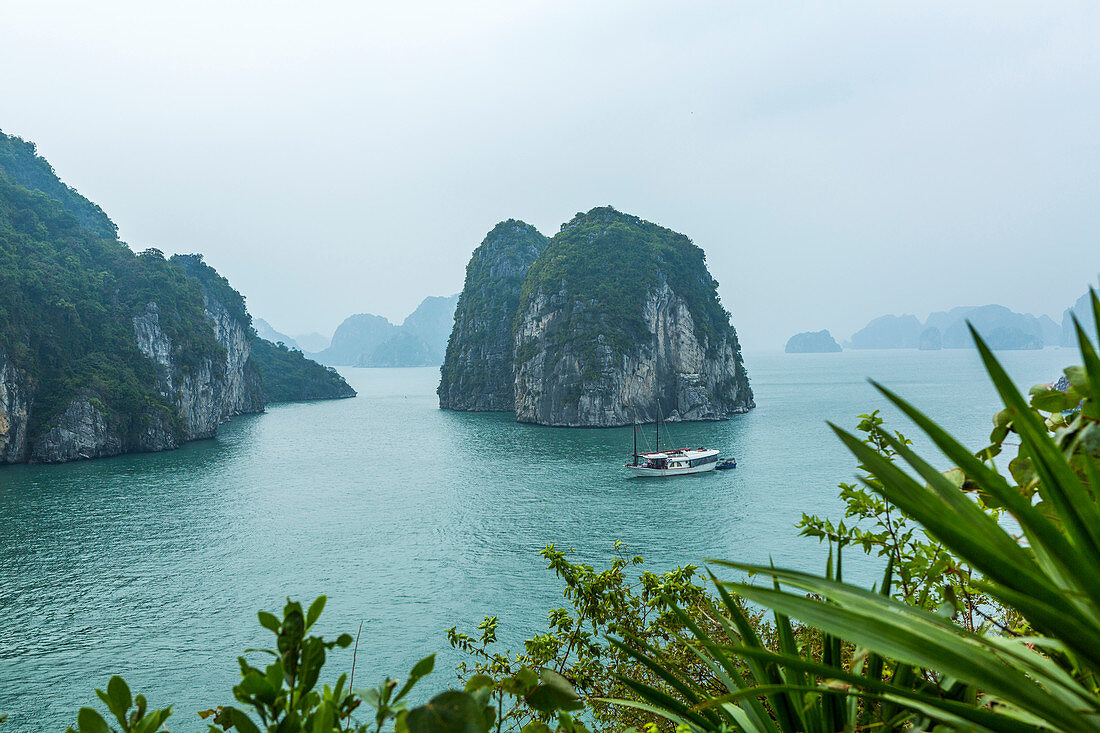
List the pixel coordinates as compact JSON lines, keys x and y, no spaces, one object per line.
{"x":423,"y":667}
{"x":242,"y":722}
{"x":269,"y":621}
{"x":120,"y":692}
{"x":314,"y":611}
{"x":527,"y":678}
{"x":478,"y":681}
{"x":89,"y":721}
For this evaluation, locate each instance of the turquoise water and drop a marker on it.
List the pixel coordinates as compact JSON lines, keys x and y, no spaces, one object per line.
{"x":410,"y":519}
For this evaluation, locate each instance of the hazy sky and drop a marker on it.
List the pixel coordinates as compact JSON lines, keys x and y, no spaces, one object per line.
{"x":835,"y":160}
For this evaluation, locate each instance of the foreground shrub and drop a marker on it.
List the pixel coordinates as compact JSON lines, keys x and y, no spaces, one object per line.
{"x":915,"y":667}
{"x":283,"y":697}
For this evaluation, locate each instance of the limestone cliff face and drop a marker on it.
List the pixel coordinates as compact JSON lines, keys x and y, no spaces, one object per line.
{"x":218,"y":387}
{"x":477,"y":371}
{"x":674,"y":373}
{"x":104,"y":350}
{"x":84,"y":430}
{"x":15,"y":408}
{"x":614,"y":319}
{"x":206,"y":394}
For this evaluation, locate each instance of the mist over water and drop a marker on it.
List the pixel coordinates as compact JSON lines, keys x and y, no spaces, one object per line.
{"x":411,"y":520}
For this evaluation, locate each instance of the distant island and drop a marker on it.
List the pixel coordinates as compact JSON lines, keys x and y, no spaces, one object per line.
{"x":1001,"y":327}
{"x":104,"y":351}
{"x":812,"y":342}
{"x":614,"y":319}
{"x":367,"y":340}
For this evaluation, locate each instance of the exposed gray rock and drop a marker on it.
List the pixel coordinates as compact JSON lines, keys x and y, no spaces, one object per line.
{"x":671,"y":374}
{"x":210,"y":393}
{"x":242,"y":394}
{"x":82,"y":431}
{"x":15,"y":406}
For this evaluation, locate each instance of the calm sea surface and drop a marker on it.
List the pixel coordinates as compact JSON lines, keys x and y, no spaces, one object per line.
{"x":411,"y":520}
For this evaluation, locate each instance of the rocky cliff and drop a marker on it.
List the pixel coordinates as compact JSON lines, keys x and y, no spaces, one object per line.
{"x":619,"y":320}
{"x":477,"y":371}
{"x":104,"y":351}
{"x":14,"y":412}
{"x":222,"y":384}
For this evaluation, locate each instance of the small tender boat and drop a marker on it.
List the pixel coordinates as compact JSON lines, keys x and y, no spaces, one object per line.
{"x":726,"y":464}
{"x":679,"y":462}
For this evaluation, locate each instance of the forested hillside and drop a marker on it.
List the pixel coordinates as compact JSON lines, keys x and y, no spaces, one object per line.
{"x":102,"y":350}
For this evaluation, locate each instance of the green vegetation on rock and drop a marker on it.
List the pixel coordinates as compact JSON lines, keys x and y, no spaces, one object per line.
{"x":604,"y":264}
{"x":477,"y":371}
{"x":21,"y":163}
{"x":288,"y":376}
{"x":68,"y":295}
{"x":72,"y":299}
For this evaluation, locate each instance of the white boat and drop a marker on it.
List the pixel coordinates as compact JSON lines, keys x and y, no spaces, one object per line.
{"x":679,"y":462}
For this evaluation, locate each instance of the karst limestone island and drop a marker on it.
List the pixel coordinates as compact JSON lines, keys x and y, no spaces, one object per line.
{"x":104,"y":351}
{"x":999,"y":326}
{"x":812,"y":342}
{"x":612,"y":320}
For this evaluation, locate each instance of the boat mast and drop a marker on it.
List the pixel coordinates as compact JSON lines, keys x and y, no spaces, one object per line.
{"x":635,"y":426}
{"x":658,"y":425}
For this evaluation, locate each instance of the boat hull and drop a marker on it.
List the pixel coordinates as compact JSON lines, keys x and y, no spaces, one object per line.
{"x":667,"y":472}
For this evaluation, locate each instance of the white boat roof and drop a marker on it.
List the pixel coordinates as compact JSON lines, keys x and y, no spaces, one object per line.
{"x":682,"y":453}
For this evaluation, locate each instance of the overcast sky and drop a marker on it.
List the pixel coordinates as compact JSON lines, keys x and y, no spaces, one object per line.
{"x":836,"y":161}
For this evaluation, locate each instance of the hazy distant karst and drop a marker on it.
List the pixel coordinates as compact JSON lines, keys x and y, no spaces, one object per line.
{"x":1082,"y":309}
{"x":812,"y":342}
{"x":312,"y":342}
{"x":888,"y":332}
{"x":617,"y":320}
{"x":478,"y":372}
{"x":265,"y":331}
{"x":367,"y":340}
{"x":430,"y":324}
{"x":103,"y":351}
{"x":930,"y":339}
{"x":1001,"y":328}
